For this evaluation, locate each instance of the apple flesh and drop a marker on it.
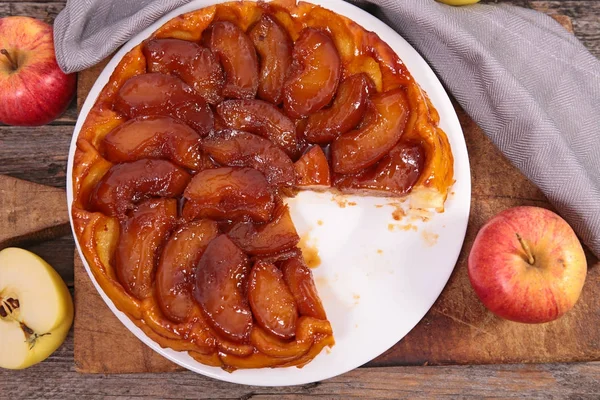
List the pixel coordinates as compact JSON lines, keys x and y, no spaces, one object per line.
{"x":527,"y":265}
{"x":33,"y":89}
{"x":36,"y":310}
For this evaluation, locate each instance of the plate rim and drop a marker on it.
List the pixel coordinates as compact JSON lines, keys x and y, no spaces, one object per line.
{"x":338,"y":6}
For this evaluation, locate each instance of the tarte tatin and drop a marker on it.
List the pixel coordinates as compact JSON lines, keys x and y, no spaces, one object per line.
{"x":203,"y":129}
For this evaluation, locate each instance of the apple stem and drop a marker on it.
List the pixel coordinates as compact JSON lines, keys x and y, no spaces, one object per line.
{"x":12,"y":62}
{"x":526,"y":249}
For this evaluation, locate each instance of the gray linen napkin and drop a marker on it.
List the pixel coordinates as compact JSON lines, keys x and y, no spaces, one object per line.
{"x":530,"y":85}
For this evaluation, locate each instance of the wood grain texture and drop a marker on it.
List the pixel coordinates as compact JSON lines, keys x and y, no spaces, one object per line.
{"x":30,"y":212}
{"x":57,"y":376}
{"x":102,"y":343}
{"x":36,"y":154}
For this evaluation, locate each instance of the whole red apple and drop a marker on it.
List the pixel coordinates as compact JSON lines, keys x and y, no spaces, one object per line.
{"x":33,"y":89}
{"x":527,"y":265}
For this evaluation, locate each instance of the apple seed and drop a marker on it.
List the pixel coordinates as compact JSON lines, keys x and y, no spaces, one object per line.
{"x":8,"y":307}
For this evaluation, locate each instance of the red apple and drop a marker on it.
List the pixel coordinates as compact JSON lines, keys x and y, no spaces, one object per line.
{"x":33,"y":89}
{"x":527,"y":265}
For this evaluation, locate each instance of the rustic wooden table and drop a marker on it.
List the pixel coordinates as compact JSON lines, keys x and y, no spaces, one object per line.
{"x":40,"y":155}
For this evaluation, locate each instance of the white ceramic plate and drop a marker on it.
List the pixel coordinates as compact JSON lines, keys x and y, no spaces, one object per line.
{"x":376,"y":280}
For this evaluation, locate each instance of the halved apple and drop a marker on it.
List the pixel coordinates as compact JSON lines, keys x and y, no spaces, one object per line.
{"x":36,"y":309}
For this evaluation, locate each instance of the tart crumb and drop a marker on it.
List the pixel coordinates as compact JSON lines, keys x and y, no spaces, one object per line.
{"x":430,"y":238}
{"x":310,"y":252}
{"x":379,"y":251}
{"x":340,"y":200}
{"x":407,"y":227}
{"x":319,"y":222}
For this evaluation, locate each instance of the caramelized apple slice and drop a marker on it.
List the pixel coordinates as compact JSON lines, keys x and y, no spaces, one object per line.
{"x":312,"y":169}
{"x":279,"y":257}
{"x":235,"y":51}
{"x":274,"y":46}
{"x":299,"y":280}
{"x":272,"y":304}
{"x":242,"y":149}
{"x":262,"y":118}
{"x":356,"y":150}
{"x":195,"y":65}
{"x":344,"y":114}
{"x":220,"y":278}
{"x":128,"y":183}
{"x":167,"y":95}
{"x":141,"y":236}
{"x":229,"y":193}
{"x":271,"y":238}
{"x":175,"y":272}
{"x":314,"y":74}
{"x":394,"y":175}
{"x":154,"y":137}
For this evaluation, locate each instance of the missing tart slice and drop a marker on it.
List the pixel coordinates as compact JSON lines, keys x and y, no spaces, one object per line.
{"x":184,"y":162}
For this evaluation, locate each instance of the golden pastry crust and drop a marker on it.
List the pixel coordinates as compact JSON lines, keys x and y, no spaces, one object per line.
{"x":98,"y":234}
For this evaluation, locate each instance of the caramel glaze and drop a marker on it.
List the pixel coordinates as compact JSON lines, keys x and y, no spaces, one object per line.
{"x":182,"y":221}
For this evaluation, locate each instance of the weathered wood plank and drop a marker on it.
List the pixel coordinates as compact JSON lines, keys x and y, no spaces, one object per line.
{"x":59,"y":254}
{"x":56,"y":378}
{"x":585,"y":16}
{"x":44,"y":11}
{"x":36,"y":154}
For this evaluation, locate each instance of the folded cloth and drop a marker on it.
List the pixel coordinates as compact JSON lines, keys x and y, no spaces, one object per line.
{"x":532,"y":87}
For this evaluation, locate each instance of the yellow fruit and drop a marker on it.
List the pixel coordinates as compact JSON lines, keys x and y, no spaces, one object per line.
{"x":36,"y":309}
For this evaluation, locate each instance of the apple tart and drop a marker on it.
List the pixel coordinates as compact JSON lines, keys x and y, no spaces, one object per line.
{"x":203,"y":129}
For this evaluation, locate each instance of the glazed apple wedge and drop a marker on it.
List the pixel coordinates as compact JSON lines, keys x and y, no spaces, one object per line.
{"x":242,"y":149}
{"x":383,"y":126}
{"x":261,"y":118}
{"x":142,"y":234}
{"x":314,"y":74}
{"x":272,"y":304}
{"x":272,"y":238}
{"x":221,"y":277}
{"x":274,"y":46}
{"x":312,"y":169}
{"x":394,"y":175}
{"x":237,"y":55}
{"x":345,"y":113}
{"x":300,"y":281}
{"x":166,"y":95}
{"x":197,"y":66}
{"x":155,"y":137}
{"x":178,"y":261}
{"x":128,"y":183}
{"x":229,"y":194}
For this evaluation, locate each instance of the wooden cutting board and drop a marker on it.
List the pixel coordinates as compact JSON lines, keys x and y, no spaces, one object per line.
{"x":457,"y":329}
